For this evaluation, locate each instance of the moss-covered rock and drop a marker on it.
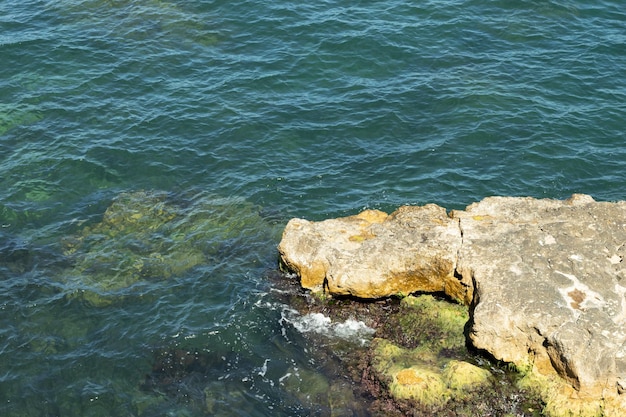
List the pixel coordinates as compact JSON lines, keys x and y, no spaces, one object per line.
{"x":561,"y":400}
{"x":422,"y":383}
{"x":425,"y":367}
{"x":463,"y":377}
{"x":417,"y":363}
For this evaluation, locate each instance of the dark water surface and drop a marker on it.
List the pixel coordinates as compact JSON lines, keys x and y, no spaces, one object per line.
{"x":210,"y":124}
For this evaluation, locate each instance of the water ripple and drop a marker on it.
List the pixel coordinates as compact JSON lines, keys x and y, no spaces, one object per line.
{"x":302,"y":109}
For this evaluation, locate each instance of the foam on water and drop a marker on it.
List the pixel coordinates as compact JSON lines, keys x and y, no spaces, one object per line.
{"x":352,"y":330}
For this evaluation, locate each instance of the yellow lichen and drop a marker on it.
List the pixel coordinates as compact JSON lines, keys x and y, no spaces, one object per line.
{"x":372,"y":216}
{"x":363,"y":236}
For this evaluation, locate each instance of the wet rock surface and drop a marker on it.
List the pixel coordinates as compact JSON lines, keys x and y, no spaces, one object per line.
{"x":543,"y":280}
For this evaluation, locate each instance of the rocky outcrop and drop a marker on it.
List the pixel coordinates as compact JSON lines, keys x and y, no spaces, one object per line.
{"x":550,"y":291}
{"x":374,"y":255}
{"x":544,"y":280}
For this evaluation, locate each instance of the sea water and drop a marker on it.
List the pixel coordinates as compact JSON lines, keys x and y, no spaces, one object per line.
{"x":151,"y":152}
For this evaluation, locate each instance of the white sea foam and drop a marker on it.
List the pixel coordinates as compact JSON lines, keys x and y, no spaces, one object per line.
{"x":314,"y":322}
{"x":351,"y":330}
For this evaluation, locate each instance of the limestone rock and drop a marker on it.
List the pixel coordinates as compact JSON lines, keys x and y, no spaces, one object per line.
{"x":549,"y":288}
{"x":545,"y":281}
{"x":373,"y":255}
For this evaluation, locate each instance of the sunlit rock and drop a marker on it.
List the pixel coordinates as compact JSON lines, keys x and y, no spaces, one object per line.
{"x":544,"y":279}
{"x":550,"y":294}
{"x":373,"y":255}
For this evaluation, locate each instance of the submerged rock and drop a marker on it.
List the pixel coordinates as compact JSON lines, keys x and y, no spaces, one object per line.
{"x":151,"y":236}
{"x":11,"y":117}
{"x":543,"y":279}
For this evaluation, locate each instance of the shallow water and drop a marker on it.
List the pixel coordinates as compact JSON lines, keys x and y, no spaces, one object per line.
{"x":243,"y":115}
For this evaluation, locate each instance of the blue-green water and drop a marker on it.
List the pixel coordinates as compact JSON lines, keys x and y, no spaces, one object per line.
{"x":216,"y":122}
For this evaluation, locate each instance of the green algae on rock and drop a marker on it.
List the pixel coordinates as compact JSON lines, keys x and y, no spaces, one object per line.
{"x":560,"y":399}
{"x":405,"y":331}
{"x":10,"y":216}
{"x":427,"y":368}
{"x":152,"y":236}
{"x":11,"y":116}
